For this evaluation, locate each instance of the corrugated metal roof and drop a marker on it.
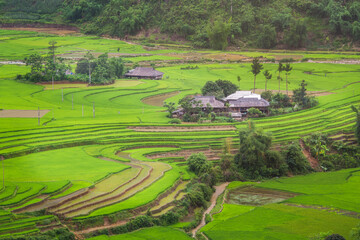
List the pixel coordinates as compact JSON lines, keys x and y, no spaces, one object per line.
{"x":242,"y":94}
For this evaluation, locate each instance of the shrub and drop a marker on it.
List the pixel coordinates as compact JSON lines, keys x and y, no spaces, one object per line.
{"x":175,"y":121}
{"x":335,"y":237}
{"x":254,"y":112}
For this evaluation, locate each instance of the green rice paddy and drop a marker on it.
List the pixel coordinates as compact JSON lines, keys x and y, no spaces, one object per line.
{"x":75,"y":148}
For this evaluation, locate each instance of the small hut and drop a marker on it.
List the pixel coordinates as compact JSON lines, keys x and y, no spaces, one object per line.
{"x":144,"y":73}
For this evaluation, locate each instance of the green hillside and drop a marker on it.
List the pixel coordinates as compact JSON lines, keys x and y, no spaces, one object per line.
{"x":318,"y":24}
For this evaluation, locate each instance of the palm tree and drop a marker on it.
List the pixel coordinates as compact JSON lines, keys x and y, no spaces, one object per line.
{"x":287,"y":70}
{"x":268,"y":76}
{"x":239,"y":79}
{"x":256,"y":68}
{"x":280,"y":69}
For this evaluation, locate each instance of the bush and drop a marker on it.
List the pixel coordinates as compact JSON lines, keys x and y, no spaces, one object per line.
{"x":254,"y":112}
{"x":198,"y":163}
{"x":175,"y":121}
{"x":335,"y":237}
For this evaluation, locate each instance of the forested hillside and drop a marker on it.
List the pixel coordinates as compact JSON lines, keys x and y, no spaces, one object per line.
{"x":314,"y":24}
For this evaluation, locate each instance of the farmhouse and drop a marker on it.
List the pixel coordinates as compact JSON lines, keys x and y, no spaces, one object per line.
{"x":236,"y":104}
{"x":242,"y":101}
{"x":144,"y":73}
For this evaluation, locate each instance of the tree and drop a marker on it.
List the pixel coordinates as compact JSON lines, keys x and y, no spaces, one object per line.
{"x":287,"y":70}
{"x":280,"y":69}
{"x":226,"y":86}
{"x":266,"y":36}
{"x":198,"y":163}
{"x":218,"y":33}
{"x":116,"y":66}
{"x":51,"y":65}
{"x":357,"y":126}
{"x":212,"y":89}
{"x":254,"y":144}
{"x":170,"y":108}
{"x":239,"y":79}
{"x":268,"y":76}
{"x":89,"y":57}
{"x":299,"y":95}
{"x":35,"y":61}
{"x":256,"y":68}
{"x":295,"y":159}
{"x":296,"y":36}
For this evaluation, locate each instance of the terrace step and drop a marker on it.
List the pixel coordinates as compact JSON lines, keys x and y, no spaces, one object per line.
{"x":156,"y":172}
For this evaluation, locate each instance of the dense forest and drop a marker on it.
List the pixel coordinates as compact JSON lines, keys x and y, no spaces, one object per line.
{"x":314,"y":24}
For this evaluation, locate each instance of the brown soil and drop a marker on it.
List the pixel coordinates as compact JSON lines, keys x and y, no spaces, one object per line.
{"x":183,"y":129}
{"x":106,"y":226}
{"x":50,"y":30}
{"x":280,"y":57}
{"x":218,"y":191}
{"x":211,"y":154}
{"x":22,"y":113}
{"x":313,"y":162}
{"x":158,"y":100}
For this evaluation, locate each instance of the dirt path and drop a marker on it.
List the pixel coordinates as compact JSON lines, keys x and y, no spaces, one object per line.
{"x":313,"y":162}
{"x":218,"y":190}
{"x":22,"y":113}
{"x":106,"y":226}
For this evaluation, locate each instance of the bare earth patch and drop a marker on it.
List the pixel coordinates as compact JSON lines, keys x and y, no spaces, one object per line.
{"x":211,"y":154}
{"x":183,"y":129}
{"x":22,"y":113}
{"x":56,"y":31}
{"x":159,"y":99}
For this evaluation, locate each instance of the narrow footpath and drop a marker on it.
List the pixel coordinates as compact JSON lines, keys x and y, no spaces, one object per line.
{"x":218,"y":191}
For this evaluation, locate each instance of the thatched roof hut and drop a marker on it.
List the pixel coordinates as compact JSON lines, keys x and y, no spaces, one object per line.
{"x":144,"y":73}
{"x":209,"y":100}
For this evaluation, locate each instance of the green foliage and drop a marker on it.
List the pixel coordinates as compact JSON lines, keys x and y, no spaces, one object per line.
{"x":357,"y":126}
{"x":212,"y":89}
{"x":255,"y":112}
{"x":268,"y":77}
{"x":170,"y":107}
{"x":300,"y":97}
{"x":355,"y":233}
{"x":280,"y":100}
{"x":219,"y":88}
{"x":251,"y":159}
{"x":218,"y":32}
{"x":266,"y":37}
{"x":296,"y":36}
{"x":295,"y":159}
{"x":256,"y":68}
{"x":335,"y":237}
{"x":198,"y":163}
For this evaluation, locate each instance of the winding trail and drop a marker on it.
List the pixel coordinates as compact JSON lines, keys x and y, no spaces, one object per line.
{"x":218,"y":191}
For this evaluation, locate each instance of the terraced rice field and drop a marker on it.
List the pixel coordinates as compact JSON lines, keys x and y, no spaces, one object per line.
{"x":81,"y":164}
